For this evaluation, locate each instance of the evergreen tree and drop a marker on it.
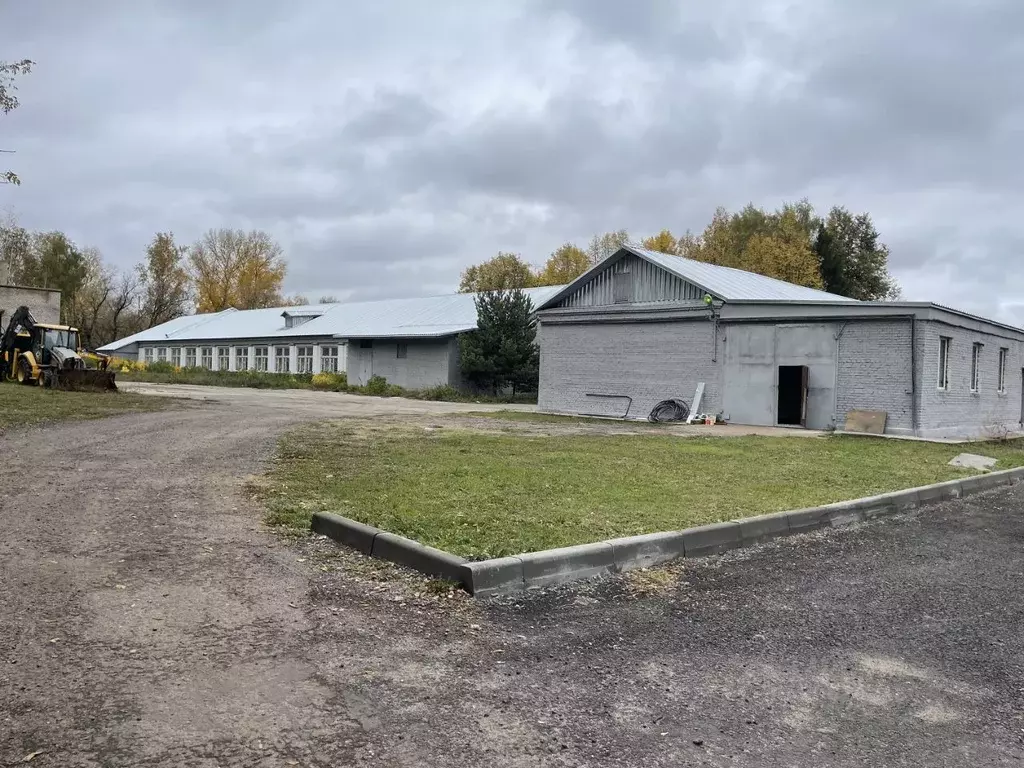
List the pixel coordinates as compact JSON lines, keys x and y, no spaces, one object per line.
{"x":502,"y":352}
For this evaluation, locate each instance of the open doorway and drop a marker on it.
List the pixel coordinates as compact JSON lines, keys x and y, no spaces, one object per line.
{"x":792,"y":405}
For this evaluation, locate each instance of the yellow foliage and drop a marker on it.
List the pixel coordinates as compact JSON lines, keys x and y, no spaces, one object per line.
{"x":566,"y":264}
{"x":504,"y":272}
{"x":232,"y":268}
{"x":663,"y":242}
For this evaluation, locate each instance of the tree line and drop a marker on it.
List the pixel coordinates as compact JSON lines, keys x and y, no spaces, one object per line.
{"x":840,"y":252}
{"x":224,"y":268}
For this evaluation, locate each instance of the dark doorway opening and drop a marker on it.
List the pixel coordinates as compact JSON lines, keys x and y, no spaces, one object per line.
{"x":792,"y":405}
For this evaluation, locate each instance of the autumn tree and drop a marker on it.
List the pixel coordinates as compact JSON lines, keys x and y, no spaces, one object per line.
{"x":53,"y":261}
{"x":328,"y":299}
{"x":852,"y":260}
{"x":164,"y":280}
{"x":232,"y":268}
{"x":505,"y":271}
{"x":502,"y":351}
{"x":603,"y":246}
{"x":565,"y":264}
{"x":663,"y":242}
{"x":9,"y":102}
{"x":90,"y":303}
{"x":15,"y":243}
{"x":775,"y":244}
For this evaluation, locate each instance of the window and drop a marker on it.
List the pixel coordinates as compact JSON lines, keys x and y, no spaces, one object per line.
{"x":304,"y":359}
{"x":161,"y":354}
{"x":190,"y":357}
{"x":223,"y":358}
{"x":148,"y":351}
{"x":366,"y":343}
{"x":261,"y":358}
{"x":402,"y":350}
{"x":175,"y":357}
{"x":241,"y":358}
{"x":207,"y":358}
{"x":282,"y":357}
{"x":1003,"y":353}
{"x":975,"y":367}
{"x":944,"y":344}
{"x":329,"y":359}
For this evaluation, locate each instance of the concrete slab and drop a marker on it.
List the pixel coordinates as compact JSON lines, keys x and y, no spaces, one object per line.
{"x":711,"y":539}
{"x":419,"y":557}
{"x":345,"y":531}
{"x":973,"y":461}
{"x":555,"y":566}
{"x":647,"y":550}
{"x":754,"y":530}
{"x":502,"y":575}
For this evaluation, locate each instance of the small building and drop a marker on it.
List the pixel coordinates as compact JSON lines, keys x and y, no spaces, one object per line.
{"x":411,"y":342}
{"x":642,"y":327}
{"x":44,"y":303}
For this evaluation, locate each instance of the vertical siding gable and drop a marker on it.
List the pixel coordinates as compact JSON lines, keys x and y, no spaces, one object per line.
{"x":650,"y":283}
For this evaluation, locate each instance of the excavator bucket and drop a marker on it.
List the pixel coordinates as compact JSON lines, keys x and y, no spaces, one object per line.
{"x":84,"y":379}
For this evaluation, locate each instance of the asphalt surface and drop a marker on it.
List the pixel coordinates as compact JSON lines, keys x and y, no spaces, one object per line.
{"x":147,"y":619}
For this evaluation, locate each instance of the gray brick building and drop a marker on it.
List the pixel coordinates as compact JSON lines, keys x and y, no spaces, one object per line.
{"x":43,"y":302}
{"x":643,"y":326}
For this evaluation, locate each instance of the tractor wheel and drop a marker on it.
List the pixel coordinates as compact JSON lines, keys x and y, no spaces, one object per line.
{"x":45,"y":377}
{"x":24,"y":373}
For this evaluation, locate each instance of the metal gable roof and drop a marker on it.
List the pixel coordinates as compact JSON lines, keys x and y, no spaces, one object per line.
{"x":427,"y":317}
{"x":725,"y":283}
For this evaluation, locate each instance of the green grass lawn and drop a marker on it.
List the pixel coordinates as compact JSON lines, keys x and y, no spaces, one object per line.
{"x":20,"y":405}
{"x":486,"y":495}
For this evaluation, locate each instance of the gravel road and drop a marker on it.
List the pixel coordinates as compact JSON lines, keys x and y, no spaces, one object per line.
{"x":147,"y":619}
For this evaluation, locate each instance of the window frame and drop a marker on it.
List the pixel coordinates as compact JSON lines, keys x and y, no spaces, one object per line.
{"x":401,"y":351}
{"x":976,"y":366}
{"x":223,"y":358}
{"x":286,"y":357}
{"x":191,"y":357}
{"x":304,"y":358}
{"x":325,"y":357}
{"x":161,"y":354}
{"x":241,"y":358}
{"x":1004,"y":354}
{"x":257,"y":357}
{"x":148,"y":354}
{"x":206,"y":358}
{"x":945,"y":347}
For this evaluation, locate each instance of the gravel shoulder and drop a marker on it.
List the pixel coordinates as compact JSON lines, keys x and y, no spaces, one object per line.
{"x":148,"y":619}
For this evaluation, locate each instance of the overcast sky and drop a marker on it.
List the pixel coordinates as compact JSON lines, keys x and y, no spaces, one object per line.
{"x":388,"y":144}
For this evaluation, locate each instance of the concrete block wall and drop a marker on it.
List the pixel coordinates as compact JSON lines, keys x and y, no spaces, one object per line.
{"x":43,"y":303}
{"x":649,"y":362}
{"x":426,"y":363}
{"x":874,"y":372}
{"x":957,"y":411}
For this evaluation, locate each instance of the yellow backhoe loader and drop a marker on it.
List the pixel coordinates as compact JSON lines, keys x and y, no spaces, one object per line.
{"x":48,"y":356}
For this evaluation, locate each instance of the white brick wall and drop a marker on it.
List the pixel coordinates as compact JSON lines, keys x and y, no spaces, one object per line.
{"x":44,"y":304}
{"x":649,"y":362}
{"x":958,"y":411}
{"x":874,"y":372}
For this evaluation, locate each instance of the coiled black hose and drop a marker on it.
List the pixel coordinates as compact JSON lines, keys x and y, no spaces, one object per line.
{"x":670,"y":410}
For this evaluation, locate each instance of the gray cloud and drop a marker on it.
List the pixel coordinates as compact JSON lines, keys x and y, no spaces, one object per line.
{"x":388,"y":145}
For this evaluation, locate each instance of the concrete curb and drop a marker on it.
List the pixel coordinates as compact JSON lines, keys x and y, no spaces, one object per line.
{"x":508,"y":575}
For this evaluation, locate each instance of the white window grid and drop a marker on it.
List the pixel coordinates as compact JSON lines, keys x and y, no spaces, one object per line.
{"x":944,"y":346}
{"x":329,"y":359}
{"x":207,"y":358}
{"x":304,"y":359}
{"x":241,"y":358}
{"x":261,"y":359}
{"x":282,"y":359}
{"x":190,"y":357}
{"x":976,"y":367}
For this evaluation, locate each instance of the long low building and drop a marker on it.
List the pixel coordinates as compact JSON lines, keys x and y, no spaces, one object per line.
{"x":411,"y":342}
{"x":642,"y":327}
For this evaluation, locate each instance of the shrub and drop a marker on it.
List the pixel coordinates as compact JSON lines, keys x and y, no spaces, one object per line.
{"x":331,"y":382}
{"x":440,"y":392}
{"x":160,"y":366}
{"x":377,"y":385}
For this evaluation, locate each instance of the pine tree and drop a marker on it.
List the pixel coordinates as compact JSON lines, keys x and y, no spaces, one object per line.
{"x":502,"y":352}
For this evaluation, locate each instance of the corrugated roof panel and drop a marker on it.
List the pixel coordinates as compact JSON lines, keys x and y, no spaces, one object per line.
{"x":430,"y":316}
{"x":731,"y":284}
